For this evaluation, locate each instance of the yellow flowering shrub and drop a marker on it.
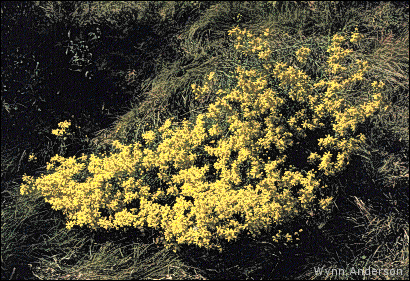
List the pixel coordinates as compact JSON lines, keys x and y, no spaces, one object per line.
{"x":236,"y":169}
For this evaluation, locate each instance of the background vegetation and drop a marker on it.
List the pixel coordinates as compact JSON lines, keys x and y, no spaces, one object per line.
{"x":117,"y":69}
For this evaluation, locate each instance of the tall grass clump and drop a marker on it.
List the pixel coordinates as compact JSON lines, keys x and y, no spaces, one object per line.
{"x":261,"y":155}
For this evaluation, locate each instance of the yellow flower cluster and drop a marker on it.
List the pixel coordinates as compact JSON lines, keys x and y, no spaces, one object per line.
{"x":302,"y":54}
{"x":149,"y":137}
{"x":62,"y":129}
{"x":356,"y":36}
{"x":82,"y":199}
{"x":286,"y":238}
{"x":201,"y":92}
{"x":248,"y":43}
{"x":337,"y":55}
{"x":227,"y":173}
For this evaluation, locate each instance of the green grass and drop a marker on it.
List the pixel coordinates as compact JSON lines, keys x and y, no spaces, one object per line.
{"x":368,"y":226}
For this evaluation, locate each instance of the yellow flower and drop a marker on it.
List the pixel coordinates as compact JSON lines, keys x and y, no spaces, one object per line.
{"x":378,"y":85}
{"x":233,"y":31}
{"x":265,"y":54}
{"x":32,"y":157}
{"x":302,"y":54}
{"x":62,"y":130}
{"x":356,"y":36}
{"x":149,"y":137}
{"x":325,"y":203}
{"x":215,"y":130}
{"x":211,"y":75}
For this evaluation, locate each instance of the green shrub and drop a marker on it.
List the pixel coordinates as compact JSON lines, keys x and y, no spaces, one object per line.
{"x":259,"y":157}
